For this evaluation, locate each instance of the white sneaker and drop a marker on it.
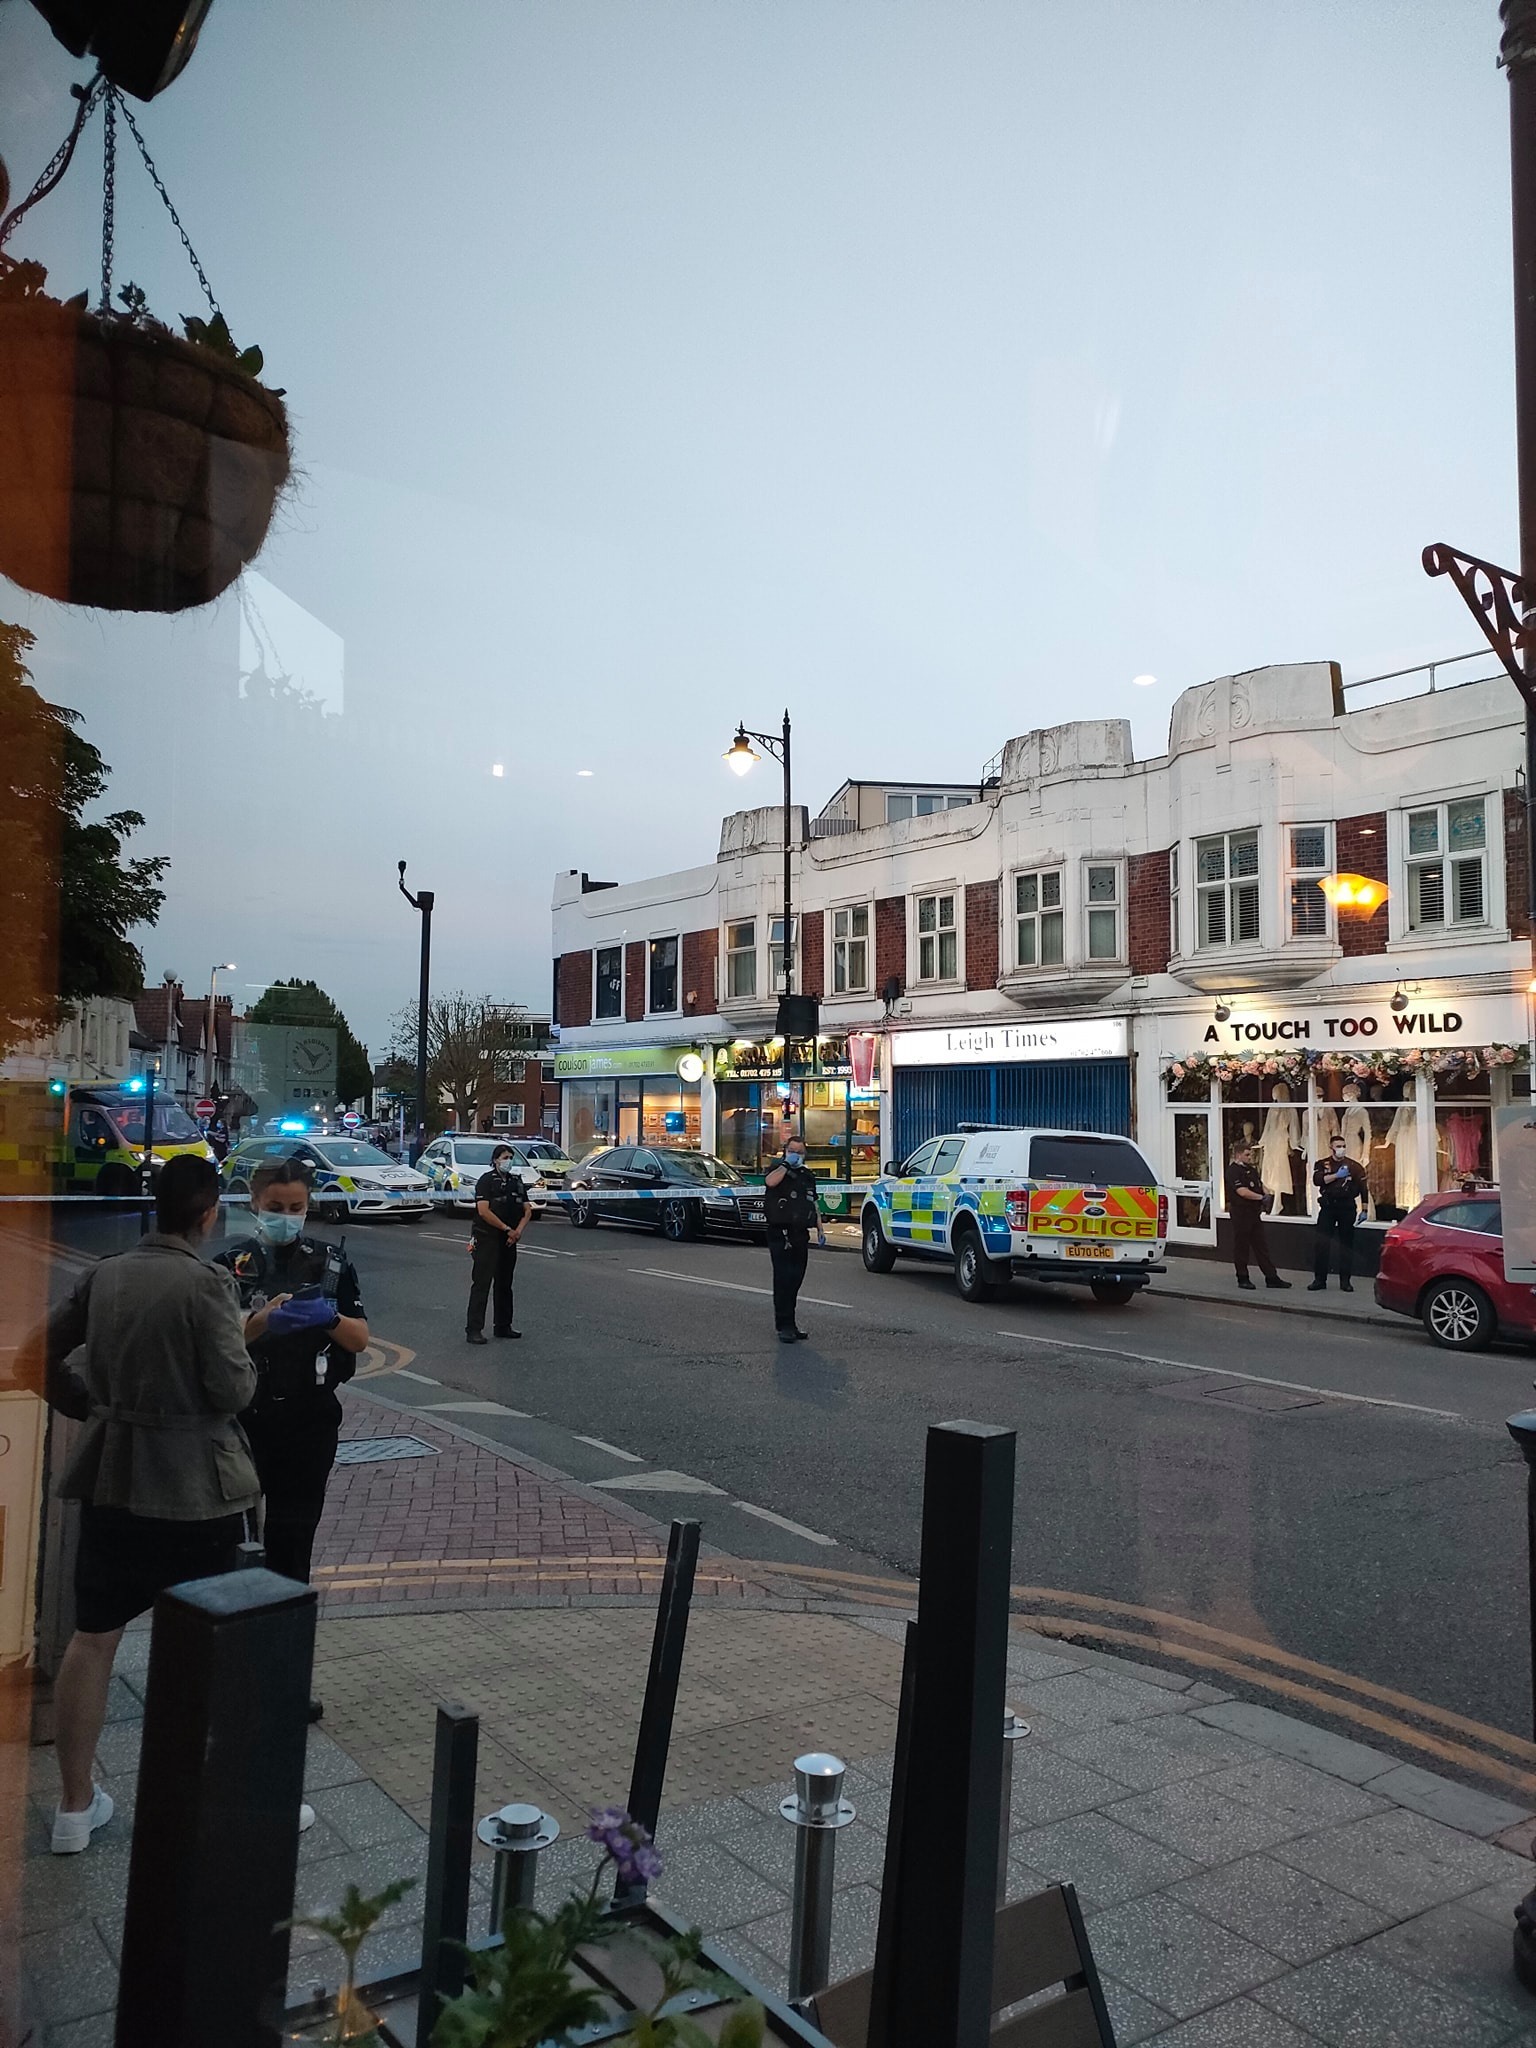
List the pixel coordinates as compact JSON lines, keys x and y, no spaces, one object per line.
{"x":72,"y":1832}
{"x":306,"y":1815}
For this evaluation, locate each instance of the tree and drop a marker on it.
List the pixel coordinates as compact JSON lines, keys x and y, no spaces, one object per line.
{"x":68,"y":898}
{"x":464,"y":1035}
{"x":305,"y":1003}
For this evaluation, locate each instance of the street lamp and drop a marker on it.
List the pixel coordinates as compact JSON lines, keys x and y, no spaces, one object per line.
{"x":223,"y":967}
{"x":423,"y":901}
{"x":741,"y":757}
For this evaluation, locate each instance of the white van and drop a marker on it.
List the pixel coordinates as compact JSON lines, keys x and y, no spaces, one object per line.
{"x":998,"y":1201}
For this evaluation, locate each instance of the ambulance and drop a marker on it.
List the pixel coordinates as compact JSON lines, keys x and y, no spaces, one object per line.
{"x":999,"y":1202}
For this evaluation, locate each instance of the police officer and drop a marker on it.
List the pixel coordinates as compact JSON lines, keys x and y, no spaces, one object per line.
{"x":501,"y":1217}
{"x":1341,"y":1187}
{"x":1247,"y":1200}
{"x":304,"y":1327}
{"x":792,"y":1216}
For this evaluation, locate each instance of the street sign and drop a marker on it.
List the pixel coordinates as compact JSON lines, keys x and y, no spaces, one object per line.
{"x":351,"y":1120}
{"x":204,"y":1108}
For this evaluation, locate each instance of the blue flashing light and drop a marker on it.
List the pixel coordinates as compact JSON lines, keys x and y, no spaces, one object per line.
{"x":136,"y":1085}
{"x":57,"y":1087}
{"x":292,"y":1123}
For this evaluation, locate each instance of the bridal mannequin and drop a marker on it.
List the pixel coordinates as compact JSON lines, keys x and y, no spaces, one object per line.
{"x":1281,"y":1138}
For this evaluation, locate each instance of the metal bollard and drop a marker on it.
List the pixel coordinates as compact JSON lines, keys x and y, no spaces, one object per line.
{"x":817,"y":1809}
{"x":1014,"y":1731}
{"x":517,"y":1833}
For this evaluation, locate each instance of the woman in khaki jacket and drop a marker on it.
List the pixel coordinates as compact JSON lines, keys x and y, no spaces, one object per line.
{"x":163,"y":1473}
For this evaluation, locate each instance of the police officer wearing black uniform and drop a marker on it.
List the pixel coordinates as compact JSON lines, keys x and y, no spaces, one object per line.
{"x":792,"y":1216}
{"x":501,"y":1217}
{"x":1341,"y":1188}
{"x":1247,"y":1199}
{"x":304,"y":1327}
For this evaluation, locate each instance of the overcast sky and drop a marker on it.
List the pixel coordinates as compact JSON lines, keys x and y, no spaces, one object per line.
{"x":930,"y":369}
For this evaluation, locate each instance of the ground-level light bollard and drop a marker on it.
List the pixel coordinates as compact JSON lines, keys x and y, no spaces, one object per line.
{"x":1523,"y":1429}
{"x":1014,"y":1731}
{"x":816,"y":1809}
{"x":517,"y":1833}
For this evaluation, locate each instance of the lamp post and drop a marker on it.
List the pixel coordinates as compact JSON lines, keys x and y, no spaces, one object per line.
{"x":224,"y":967}
{"x":423,"y":901}
{"x":741,"y":758}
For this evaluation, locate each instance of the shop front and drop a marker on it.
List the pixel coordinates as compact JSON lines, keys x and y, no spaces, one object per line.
{"x":630,"y":1095}
{"x":755,"y":1110}
{"x":1072,"y":1074}
{"x":1413,"y":1092}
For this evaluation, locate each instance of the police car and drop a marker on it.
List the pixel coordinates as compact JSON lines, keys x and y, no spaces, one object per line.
{"x":454,"y":1162}
{"x":347,"y":1176}
{"x":1001,"y":1202}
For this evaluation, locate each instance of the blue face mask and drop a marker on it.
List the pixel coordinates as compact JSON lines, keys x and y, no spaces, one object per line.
{"x":273,"y":1228}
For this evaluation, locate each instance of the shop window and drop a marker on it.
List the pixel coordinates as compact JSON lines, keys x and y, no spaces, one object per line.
{"x":1446,"y":854}
{"x":1270,"y":1115}
{"x":609,"y":995}
{"x":1102,"y":911}
{"x":1377,"y":1117}
{"x":1309,"y":862}
{"x":1227,"y":886}
{"x":850,"y":948}
{"x":776,"y":965}
{"x":1173,"y":899}
{"x":925,"y":805}
{"x":938,"y":943}
{"x":741,"y":958}
{"x":1039,"y":929}
{"x":663,"y":975}
{"x":1463,"y":1130}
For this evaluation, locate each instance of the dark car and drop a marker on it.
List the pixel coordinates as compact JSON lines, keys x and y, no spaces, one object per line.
{"x":1444,"y":1264}
{"x":682,"y":1194}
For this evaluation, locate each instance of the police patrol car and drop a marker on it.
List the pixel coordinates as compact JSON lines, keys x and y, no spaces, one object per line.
{"x":348,"y":1178}
{"x":1001,"y":1201}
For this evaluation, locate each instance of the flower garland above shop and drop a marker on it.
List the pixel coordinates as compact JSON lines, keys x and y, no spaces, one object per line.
{"x":1461,"y":1062}
{"x":1201,"y":1068}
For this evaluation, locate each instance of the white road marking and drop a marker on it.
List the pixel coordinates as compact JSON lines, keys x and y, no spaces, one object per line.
{"x":426,"y":1380}
{"x":545,"y":1251}
{"x":735,"y":1286}
{"x":783,"y":1522}
{"x":657,"y":1482}
{"x":437,"y":1237}
{"x":472,"y":1408}
{"x":629,"y":1457}
{"x":1220,"y":1372}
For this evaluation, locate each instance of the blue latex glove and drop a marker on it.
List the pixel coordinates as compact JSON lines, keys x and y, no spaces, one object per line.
{"x":312,"y":1313}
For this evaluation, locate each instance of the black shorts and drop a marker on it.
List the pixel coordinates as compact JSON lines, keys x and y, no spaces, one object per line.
{"x":125,"y":1560}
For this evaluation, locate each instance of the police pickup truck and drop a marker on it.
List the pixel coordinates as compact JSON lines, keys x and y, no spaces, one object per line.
{"x":1002,"y":1202}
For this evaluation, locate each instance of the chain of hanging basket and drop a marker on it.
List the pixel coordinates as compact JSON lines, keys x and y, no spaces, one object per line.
{"x":59,"y":162}
{"x":114,"y":97}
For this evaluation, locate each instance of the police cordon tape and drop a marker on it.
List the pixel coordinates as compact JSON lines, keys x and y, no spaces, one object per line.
{"x":449,"y":1199}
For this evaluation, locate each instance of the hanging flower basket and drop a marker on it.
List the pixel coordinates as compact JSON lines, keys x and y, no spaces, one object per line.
{"x":138,"y":471}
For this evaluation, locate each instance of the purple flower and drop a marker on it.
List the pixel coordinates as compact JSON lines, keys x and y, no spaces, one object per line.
{"x":627,"y":1845}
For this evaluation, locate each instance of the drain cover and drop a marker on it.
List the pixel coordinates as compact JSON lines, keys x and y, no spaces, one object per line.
{"x":378,"y":1450}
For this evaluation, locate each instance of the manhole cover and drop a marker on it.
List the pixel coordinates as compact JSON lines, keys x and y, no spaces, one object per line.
{"x":377,"y":1450}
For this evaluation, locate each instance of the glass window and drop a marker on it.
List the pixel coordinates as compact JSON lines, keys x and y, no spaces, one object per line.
{"x":1480,"y":1216}
{"x":1102,"y":881}
{"x":947,"y":1156}
{"x":897,"y":807}
{"x":921,"y":1161}
{"x":938,"y":944}
{"x":1446,"y":855}
{"x":1039,"y":931}
{"x":741,"y":958}
{"x":1309,"y":862}
{"x":850,"y":948}
{"x":663,"y":974}
{"x":609,"y":1000}
{"x":1173,"y":899}
{"x":172,"y":1124}
{"x":776,"y":949}
{"x":1226,"y":880}
{"x":960,"y":803}
{"x":1090,"y":1162}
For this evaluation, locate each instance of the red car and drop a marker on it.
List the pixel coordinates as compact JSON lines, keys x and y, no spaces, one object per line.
{"x":1444,"y":1263}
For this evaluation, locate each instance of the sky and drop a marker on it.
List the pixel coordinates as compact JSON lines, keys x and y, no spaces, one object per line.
{"x":656,"y":364}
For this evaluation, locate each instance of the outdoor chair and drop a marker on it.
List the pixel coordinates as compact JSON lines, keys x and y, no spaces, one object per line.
{"x":1040,"y":1942}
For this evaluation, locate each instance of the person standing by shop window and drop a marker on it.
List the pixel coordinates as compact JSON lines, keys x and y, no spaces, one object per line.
{"x":1341,"y":1188}
{"x":501,"y":1217}
{"x":792,"y":1215}
{"x":304,"y":1327}
{"x":1247,"y":1200}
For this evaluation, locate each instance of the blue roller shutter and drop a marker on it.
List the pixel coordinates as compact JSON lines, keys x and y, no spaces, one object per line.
{"x":1073,"y":1095}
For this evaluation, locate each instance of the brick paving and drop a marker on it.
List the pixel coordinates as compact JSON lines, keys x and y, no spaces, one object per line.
{"x":480,"y":1526}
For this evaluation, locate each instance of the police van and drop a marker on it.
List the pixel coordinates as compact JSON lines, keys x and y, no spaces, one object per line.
{"x":1001,"y":1202}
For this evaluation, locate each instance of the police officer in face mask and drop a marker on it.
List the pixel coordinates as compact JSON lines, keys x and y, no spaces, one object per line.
{"x":304,"y":1327}
{"x":792,"y":1216}
{"x":1342,"y":1190}
{"x":501,"y":1217}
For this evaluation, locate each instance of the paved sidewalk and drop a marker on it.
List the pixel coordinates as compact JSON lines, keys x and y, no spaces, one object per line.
{"x":1251,"y":1881}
